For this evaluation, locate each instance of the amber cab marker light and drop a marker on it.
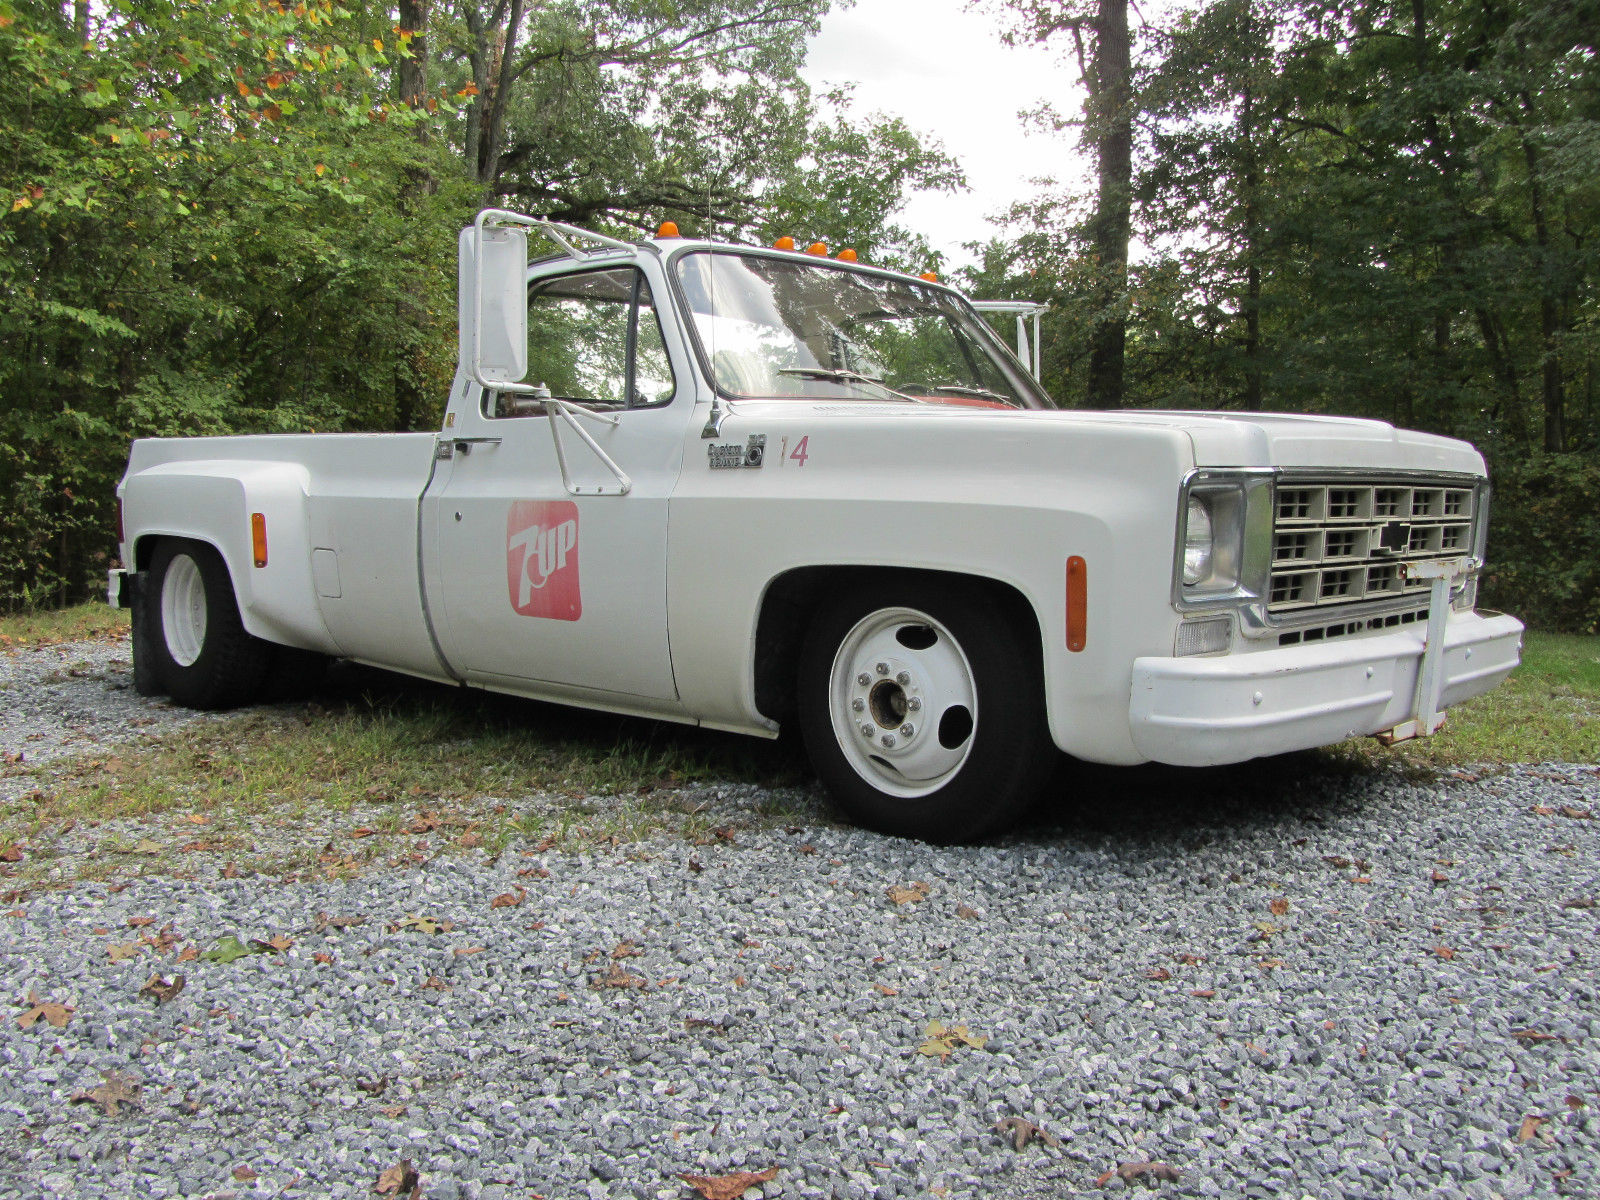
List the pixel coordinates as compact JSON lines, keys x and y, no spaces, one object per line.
{"x":930,"y":276}
{"x":847,"y":256}
{"x":669,"y":229}
{"x":258,"y":537}
{"x":1077,"y":604}
{"x":783,"y":243}
{"x":818,"y":249}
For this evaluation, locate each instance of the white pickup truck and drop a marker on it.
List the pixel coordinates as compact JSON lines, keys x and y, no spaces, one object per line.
{"x":742,"y":487}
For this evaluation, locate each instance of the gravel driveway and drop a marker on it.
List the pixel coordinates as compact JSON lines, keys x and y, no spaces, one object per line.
{"x":1280,"y":980}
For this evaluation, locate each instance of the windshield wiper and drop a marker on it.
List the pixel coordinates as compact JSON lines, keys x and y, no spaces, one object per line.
{"x":839,"y":375}
{"x":976,"y":392}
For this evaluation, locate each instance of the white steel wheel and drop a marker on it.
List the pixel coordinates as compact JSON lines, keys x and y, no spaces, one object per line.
{"x":198,"y":649}
{"x":183,"y":610}
{"x":903,"y":702}
{"x":921,"y":704}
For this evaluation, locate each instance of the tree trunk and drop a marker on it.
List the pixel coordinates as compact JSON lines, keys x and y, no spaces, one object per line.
{"x":1252,"y":251}
{"x":1111,"y":128}
{"x":410,"y":314}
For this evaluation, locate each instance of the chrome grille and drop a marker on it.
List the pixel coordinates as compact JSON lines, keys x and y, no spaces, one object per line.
{"x":1342,"y":543}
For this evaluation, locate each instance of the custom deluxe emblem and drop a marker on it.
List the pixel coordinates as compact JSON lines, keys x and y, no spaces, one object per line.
{"x":542,"y":559}
{"x":751,"y":454}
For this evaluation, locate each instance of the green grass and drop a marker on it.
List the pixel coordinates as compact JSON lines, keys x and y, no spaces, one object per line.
{"x":1548,"y":711}
{"x":94,"y":621}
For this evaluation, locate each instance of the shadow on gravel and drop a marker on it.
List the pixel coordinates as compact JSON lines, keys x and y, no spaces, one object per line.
{"x":1166,"y":809}
{"x":1187,"y":807}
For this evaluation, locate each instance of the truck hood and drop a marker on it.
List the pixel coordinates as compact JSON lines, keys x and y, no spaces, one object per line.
{"x":1218,"y":439}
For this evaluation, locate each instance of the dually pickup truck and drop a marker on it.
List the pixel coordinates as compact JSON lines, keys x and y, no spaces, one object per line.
{"x":746,"y":487}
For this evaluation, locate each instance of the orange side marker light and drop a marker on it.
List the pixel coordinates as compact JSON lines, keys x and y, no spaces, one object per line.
{"x":847,"y":255}
{"x":783,"y":243}
{"x":1077,"y":603}
{"x":818,"y":249}
{"x":258,"y":537}
{"x":930,"y":276}
{"x":669,"y":229}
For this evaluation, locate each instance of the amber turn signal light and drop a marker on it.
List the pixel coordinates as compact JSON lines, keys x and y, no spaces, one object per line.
{"x":783,"y":243}
{"x":669,"y":229}
{"x":847,"y":255}
{"x":930,"y":276}
{"x":817,"y":248}
{"x":258,"y":537}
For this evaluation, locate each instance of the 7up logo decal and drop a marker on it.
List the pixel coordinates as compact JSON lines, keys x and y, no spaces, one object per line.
{"x":542,"y":559}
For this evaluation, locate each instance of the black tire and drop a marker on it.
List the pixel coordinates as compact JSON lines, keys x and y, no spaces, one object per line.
{"x":143,"y":634}
{"x":939,"y":657}
{"x":199,"y":650}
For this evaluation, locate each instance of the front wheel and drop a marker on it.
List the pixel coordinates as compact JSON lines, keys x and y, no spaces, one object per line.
{"x":923,"y":710}
{"x":199,"y":651}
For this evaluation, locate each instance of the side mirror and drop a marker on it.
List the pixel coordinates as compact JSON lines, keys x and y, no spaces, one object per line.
{"x":492,"y":303}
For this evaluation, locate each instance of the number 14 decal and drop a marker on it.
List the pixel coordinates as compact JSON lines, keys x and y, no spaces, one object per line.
{"x":801,"y":451}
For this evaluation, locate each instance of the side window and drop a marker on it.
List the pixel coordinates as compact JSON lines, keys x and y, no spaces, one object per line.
{"x":581,"y":329}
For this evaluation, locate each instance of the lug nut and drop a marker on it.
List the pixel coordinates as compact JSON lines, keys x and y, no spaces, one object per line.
{"x":903,"y":678}
{"x":888,"y":739}
{"x":883,"y":668}
{"x":914,"y":704}
{"x":867,"y":731}
{"x":858,"y":704}
{"x":863,"y":679}
{"x":907,"y":729}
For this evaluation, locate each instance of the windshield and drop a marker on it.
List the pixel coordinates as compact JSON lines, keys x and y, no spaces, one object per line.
{"x":775,"y":327}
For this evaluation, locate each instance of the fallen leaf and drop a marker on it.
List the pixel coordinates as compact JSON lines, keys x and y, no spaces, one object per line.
{"x":55,"y":1013}
{"x":140,"y":922}
{"x":728,"y":1187}
{"x":1439,"y":877}
{"x":429,"y":925}
{"x":1204,"y":993}
{"x":245,"y":1174}
{"x":324,"y":921}
{"x":280,"y":944}
{"x":625,"y":949}
{"x":163,"y":990}
{"x":616,"y":977}
{"x":908,"y":893}
{"x":1530,"y":1128}
{"x":320,"y":957}
{"x":1189,"y":960}
{"x":435,"y":984}
{"x":1444,"y":952}
{"x":393,"y":1111}
{"x":1529,"y":1036}
{"x":942,"y":1042}
{"x":228,"y":949}
{"x":966,"y":912}
{"x":188,"y":954}
{"x":509,"y":899}
{"x":1155,"y":1170}
{"x":10,"y":853}
{"x":197,"y":819}
{"x":115,"y":1091}
{"x":1279,"y":906}
{"x":146,"y":846}
{"x":886,"y":989}
{"x":1158,"y":973}
{"x":1022,"y":1132}
{"x":398,"y":1179}
{"x":463,"y":951}
{"x":1576,"y":814}
{"x":375,"y":1088}
{"x":1575,"y":1103}
{"x":362,"y":832}
{"x":1579,"y":902}
{"x":119,"y":951}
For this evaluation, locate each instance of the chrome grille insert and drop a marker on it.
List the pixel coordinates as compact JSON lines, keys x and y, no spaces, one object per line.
{"x":1337,"y":543}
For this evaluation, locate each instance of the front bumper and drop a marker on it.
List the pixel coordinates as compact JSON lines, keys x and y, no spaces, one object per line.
{"x":1206,"y":711}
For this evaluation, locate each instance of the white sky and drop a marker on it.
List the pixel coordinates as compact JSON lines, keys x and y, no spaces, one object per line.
{"x":944,"y":69}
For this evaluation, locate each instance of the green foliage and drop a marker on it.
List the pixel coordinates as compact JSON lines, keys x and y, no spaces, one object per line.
{"x":1544,"y":549}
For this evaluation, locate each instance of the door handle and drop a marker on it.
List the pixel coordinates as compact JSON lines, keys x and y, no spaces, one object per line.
{"x":464,"y":444}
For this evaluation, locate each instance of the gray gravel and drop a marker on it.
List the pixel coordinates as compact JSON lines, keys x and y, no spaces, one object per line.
{"x":1280,"y":980}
